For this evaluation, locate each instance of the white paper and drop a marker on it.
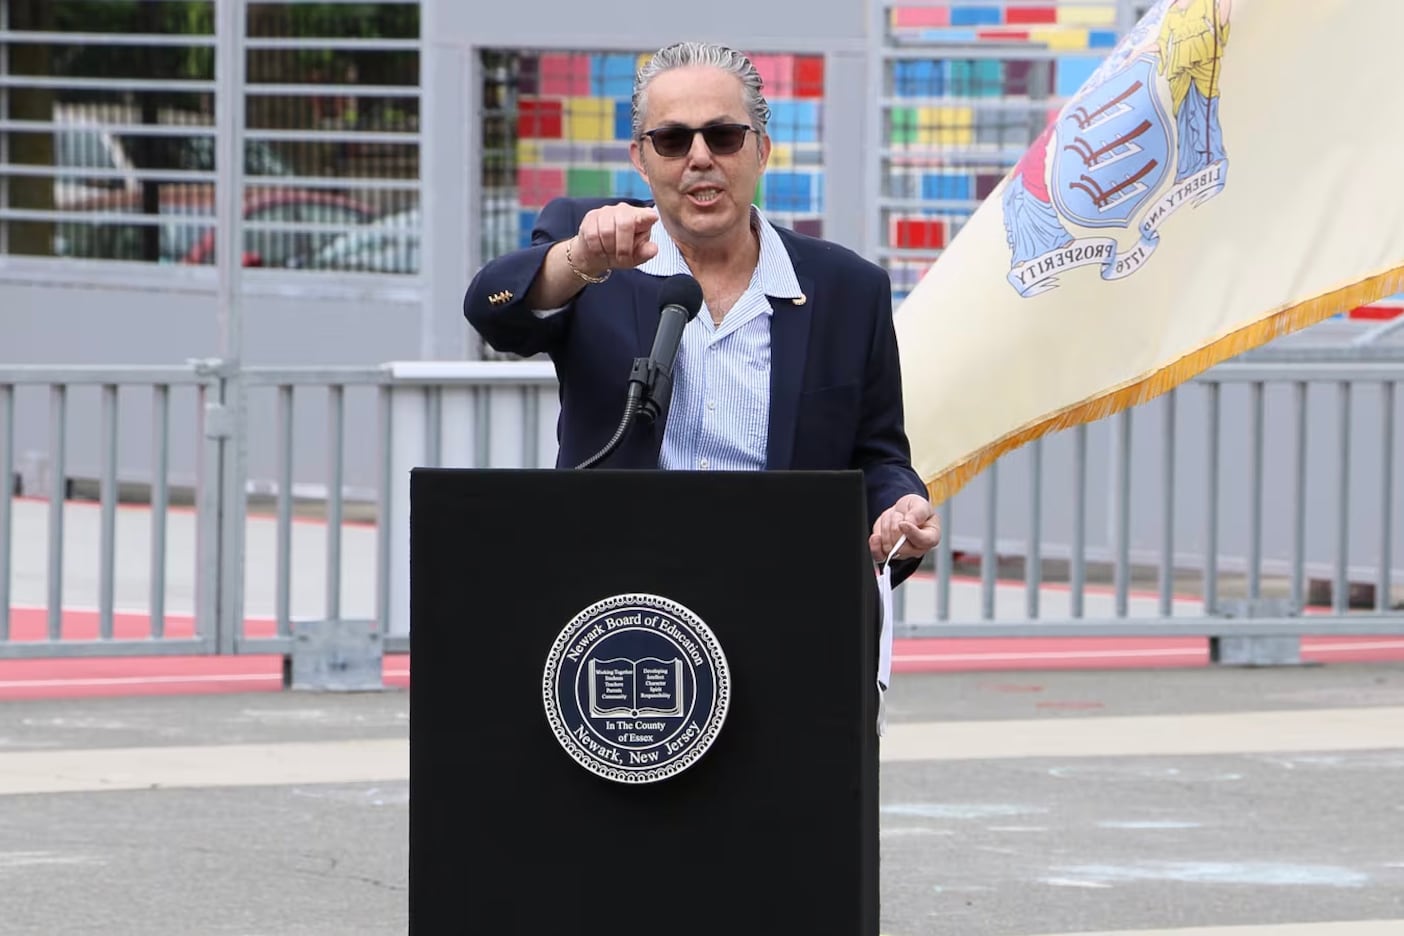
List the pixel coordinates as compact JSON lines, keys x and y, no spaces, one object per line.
{"x":885,"y":624}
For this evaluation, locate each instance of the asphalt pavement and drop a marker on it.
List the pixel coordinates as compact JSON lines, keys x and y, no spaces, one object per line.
{"x":1013,"y":804}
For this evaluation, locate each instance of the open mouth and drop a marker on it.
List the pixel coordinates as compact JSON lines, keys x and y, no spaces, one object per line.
{"x":706,"y":196}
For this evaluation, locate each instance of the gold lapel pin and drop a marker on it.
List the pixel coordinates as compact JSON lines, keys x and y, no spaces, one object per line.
{"x":799,"y":300}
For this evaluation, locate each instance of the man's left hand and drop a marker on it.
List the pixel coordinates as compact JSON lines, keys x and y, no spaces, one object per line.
{"x":913,"y":517}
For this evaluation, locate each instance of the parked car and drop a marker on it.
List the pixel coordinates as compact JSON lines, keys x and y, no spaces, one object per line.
{"x":387,"y":245}
{"x":84,"y":143}
{"x":186,"y":229}
{"x":85,"y":139}
{"x":289,"y":206}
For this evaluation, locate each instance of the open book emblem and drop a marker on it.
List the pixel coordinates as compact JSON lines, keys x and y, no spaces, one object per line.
{"x":636,"y":688}
{"x":630,"y":688}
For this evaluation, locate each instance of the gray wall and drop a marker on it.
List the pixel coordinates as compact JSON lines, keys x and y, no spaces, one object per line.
{"x":776,"y":25}
{"x":94,"y":320}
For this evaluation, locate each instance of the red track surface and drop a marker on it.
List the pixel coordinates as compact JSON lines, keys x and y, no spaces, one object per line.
{"x":60,"y":677}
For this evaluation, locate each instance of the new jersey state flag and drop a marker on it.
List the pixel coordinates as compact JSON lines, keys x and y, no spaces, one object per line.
{"x":1234,"y":171}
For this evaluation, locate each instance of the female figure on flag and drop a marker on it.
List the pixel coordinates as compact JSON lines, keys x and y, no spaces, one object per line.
{"x":1031,"y":223}
{"x":1192,"y":39}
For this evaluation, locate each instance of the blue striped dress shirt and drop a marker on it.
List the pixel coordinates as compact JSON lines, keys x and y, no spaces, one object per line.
{"x":719,"y":418}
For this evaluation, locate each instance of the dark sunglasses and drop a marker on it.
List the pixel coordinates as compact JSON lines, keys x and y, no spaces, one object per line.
{"x":721,"y":139}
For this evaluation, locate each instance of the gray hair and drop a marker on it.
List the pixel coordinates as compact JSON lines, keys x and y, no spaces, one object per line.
{"x":688,"y":54}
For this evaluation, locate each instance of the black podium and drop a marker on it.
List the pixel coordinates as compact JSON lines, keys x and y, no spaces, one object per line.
{"x":772,"y":829}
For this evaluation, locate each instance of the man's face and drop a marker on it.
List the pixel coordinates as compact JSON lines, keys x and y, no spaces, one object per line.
{"x":702,"y":196}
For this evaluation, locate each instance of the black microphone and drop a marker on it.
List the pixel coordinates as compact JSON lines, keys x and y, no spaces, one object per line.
{"x":651,"y":378}
{"x":678,"y":302}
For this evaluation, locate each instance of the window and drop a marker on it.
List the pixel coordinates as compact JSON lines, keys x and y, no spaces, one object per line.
{"x":110,"y":151}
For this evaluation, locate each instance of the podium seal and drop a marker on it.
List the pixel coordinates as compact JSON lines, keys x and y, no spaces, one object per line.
{"x":636,"y":688}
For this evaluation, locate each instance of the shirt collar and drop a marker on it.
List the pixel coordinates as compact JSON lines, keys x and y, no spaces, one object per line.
{"x":775,"y":272}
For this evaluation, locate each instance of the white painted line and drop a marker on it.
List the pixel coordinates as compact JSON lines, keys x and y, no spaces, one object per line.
{"x":230,"y":765}
{"x":292,"y":763}
{"x":1073,"y":882}
{"x":38,"y":859}
{"x":1349,"y":729}
{"x":1361,"y":928}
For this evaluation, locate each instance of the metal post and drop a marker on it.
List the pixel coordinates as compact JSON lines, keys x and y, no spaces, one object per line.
{"x":1383,"y":585}
{"x":1255,"y":498}
{"x":431,"y":126}
{"x":58,"y":492}
{"x":384,"y":508}
{"x":531,"y":415}
{"x":1033,"y":563}
{"x":1299,"y":498}
{"x":1078,"y":575}
{"x":160,"y":499}
{"x":107,"y":551}
{"x":943,"y":564}
{"x":434,"y":419}
{"x":1123,"y":513}
{"x":1167,"y":515}
{"x":283,"y":551}
{"x":482,"y":425}
{"x":229,"y":191}
{"x":407,"y":431}
{"x":1340,"y":589}
{"x":336,"y":426}
{"x":207,"y":498}
{"x":7,"y":491}
{"x":229,"y":171}
{"x":989,"y":552}
{"x":1211,"y":487}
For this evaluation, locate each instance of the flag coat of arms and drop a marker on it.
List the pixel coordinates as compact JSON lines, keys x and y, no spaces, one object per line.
{"x":1229,"y":174}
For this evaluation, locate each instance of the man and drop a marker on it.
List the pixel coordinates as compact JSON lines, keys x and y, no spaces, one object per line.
{"x":792,"y":362}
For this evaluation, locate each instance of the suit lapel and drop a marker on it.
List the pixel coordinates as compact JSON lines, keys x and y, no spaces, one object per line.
{"x":789,"y":343}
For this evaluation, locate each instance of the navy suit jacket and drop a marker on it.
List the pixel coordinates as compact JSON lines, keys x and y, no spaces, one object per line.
{"x":835,"y":386}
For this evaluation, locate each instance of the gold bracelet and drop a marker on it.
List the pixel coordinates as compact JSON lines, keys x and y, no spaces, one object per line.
{"x":578,"y":272}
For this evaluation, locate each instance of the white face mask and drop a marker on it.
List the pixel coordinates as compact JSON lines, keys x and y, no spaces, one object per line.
{"x":886,"y":624}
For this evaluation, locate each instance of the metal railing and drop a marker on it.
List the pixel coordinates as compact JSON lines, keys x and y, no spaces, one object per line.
{"x":1235,"y":576}
{"x":269,"y":538}
{"x":245,"y":536}
{"x":44,"y":550}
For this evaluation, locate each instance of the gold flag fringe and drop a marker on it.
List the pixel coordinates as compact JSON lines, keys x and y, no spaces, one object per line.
{"x":947,"y":482}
